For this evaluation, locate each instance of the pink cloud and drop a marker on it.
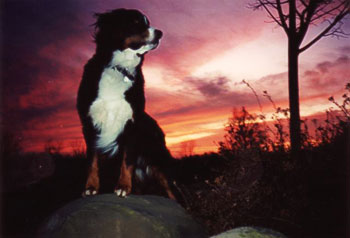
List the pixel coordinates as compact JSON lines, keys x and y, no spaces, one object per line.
{"x":327,"y":77}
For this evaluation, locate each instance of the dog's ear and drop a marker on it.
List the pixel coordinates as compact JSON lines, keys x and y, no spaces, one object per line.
{"x":103,"y":19}
{"x":108,"y":18}
{"x":108,"y":30}
{"x":106,"y":22}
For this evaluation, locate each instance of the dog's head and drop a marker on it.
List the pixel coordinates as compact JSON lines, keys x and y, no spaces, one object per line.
{"x":122,"y":29}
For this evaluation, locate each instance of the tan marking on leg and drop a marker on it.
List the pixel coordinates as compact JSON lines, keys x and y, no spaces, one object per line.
{"x":93,"y":181}
{"x":163,"y":181}
{"x":125,"y":179}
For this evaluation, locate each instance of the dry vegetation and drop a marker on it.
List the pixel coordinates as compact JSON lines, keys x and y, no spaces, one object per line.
{"x":257,"y":182}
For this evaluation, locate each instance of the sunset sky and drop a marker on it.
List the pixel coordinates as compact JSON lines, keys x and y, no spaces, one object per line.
{"x":193,"y":79}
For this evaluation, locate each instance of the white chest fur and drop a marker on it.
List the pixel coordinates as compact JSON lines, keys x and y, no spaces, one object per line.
{"x":110,"y":111}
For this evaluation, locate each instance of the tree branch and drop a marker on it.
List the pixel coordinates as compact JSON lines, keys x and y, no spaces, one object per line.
{"x":263,"y":4}
{"x":325,"y":32}
{"x":304,"y":3}
{"x":338,"y":31}
{"x":306,"y":20}
{"x":282,"y":17}
{"x":320,"y":13}
{"x":268,"y":5}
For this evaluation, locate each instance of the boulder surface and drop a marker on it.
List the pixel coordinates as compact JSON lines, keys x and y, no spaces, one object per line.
{"x":110,"y":216}
{"x":250,"y":232}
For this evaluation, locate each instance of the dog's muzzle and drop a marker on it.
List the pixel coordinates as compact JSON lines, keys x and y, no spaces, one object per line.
{"x":157,"y":36}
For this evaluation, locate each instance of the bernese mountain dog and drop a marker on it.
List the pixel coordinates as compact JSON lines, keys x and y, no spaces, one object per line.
{"x":111,"y":104}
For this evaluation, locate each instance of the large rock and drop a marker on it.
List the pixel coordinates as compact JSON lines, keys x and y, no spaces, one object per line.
{"x":250,"y":232}
{"x":109,"y":216}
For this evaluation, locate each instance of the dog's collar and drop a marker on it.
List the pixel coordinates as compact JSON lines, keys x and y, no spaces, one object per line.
{"x":124,"y":72}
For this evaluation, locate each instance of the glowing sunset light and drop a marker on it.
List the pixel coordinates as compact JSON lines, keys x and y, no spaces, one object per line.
{"x":155,"y":79}
{"x":249,"y":60}
{"x":214,"y":125}
{"x":190,"y":136}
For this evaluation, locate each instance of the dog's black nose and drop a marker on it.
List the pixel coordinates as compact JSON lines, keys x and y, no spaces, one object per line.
{"x":158,"y":34}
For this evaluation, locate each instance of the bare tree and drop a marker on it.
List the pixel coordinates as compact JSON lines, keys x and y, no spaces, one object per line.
{"x":296,"y":17}
{"x":187,"y":147}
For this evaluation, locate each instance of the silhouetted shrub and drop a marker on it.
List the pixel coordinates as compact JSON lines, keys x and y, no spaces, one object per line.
{"x":243,"y":133}
{"x":261,"y":185}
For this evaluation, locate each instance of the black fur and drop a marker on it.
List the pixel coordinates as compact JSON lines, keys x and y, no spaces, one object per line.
{"x":143,"y":137}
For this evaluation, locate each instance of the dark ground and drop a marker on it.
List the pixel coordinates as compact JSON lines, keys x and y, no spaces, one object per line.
{"x":303,"y":198}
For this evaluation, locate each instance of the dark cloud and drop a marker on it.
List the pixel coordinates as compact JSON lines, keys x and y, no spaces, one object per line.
{"x":345,"y":49}
{"x":325,"y":66}
{"x":212,"y":94}
{"x":275,"y":84}
{"x":327,"y":76}
{"x":28,"y":27}
{"x":224,"y":102}
{"x":273,"y":79}
{"x":210,"y":87}
{"x":343,"y":59}
{"x":38,"y":22}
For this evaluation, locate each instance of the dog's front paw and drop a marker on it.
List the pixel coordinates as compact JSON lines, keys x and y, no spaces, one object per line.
{"x":122,"y":191}
{"x":89,"y":192}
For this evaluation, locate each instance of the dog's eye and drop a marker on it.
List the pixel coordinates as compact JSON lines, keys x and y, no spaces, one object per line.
{"x":146,"y":20}
{"x":140,"y":22}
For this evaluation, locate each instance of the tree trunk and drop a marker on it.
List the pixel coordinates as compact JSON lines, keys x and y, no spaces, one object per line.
{"x":293,"y":80}
{"x":293,"y":86}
